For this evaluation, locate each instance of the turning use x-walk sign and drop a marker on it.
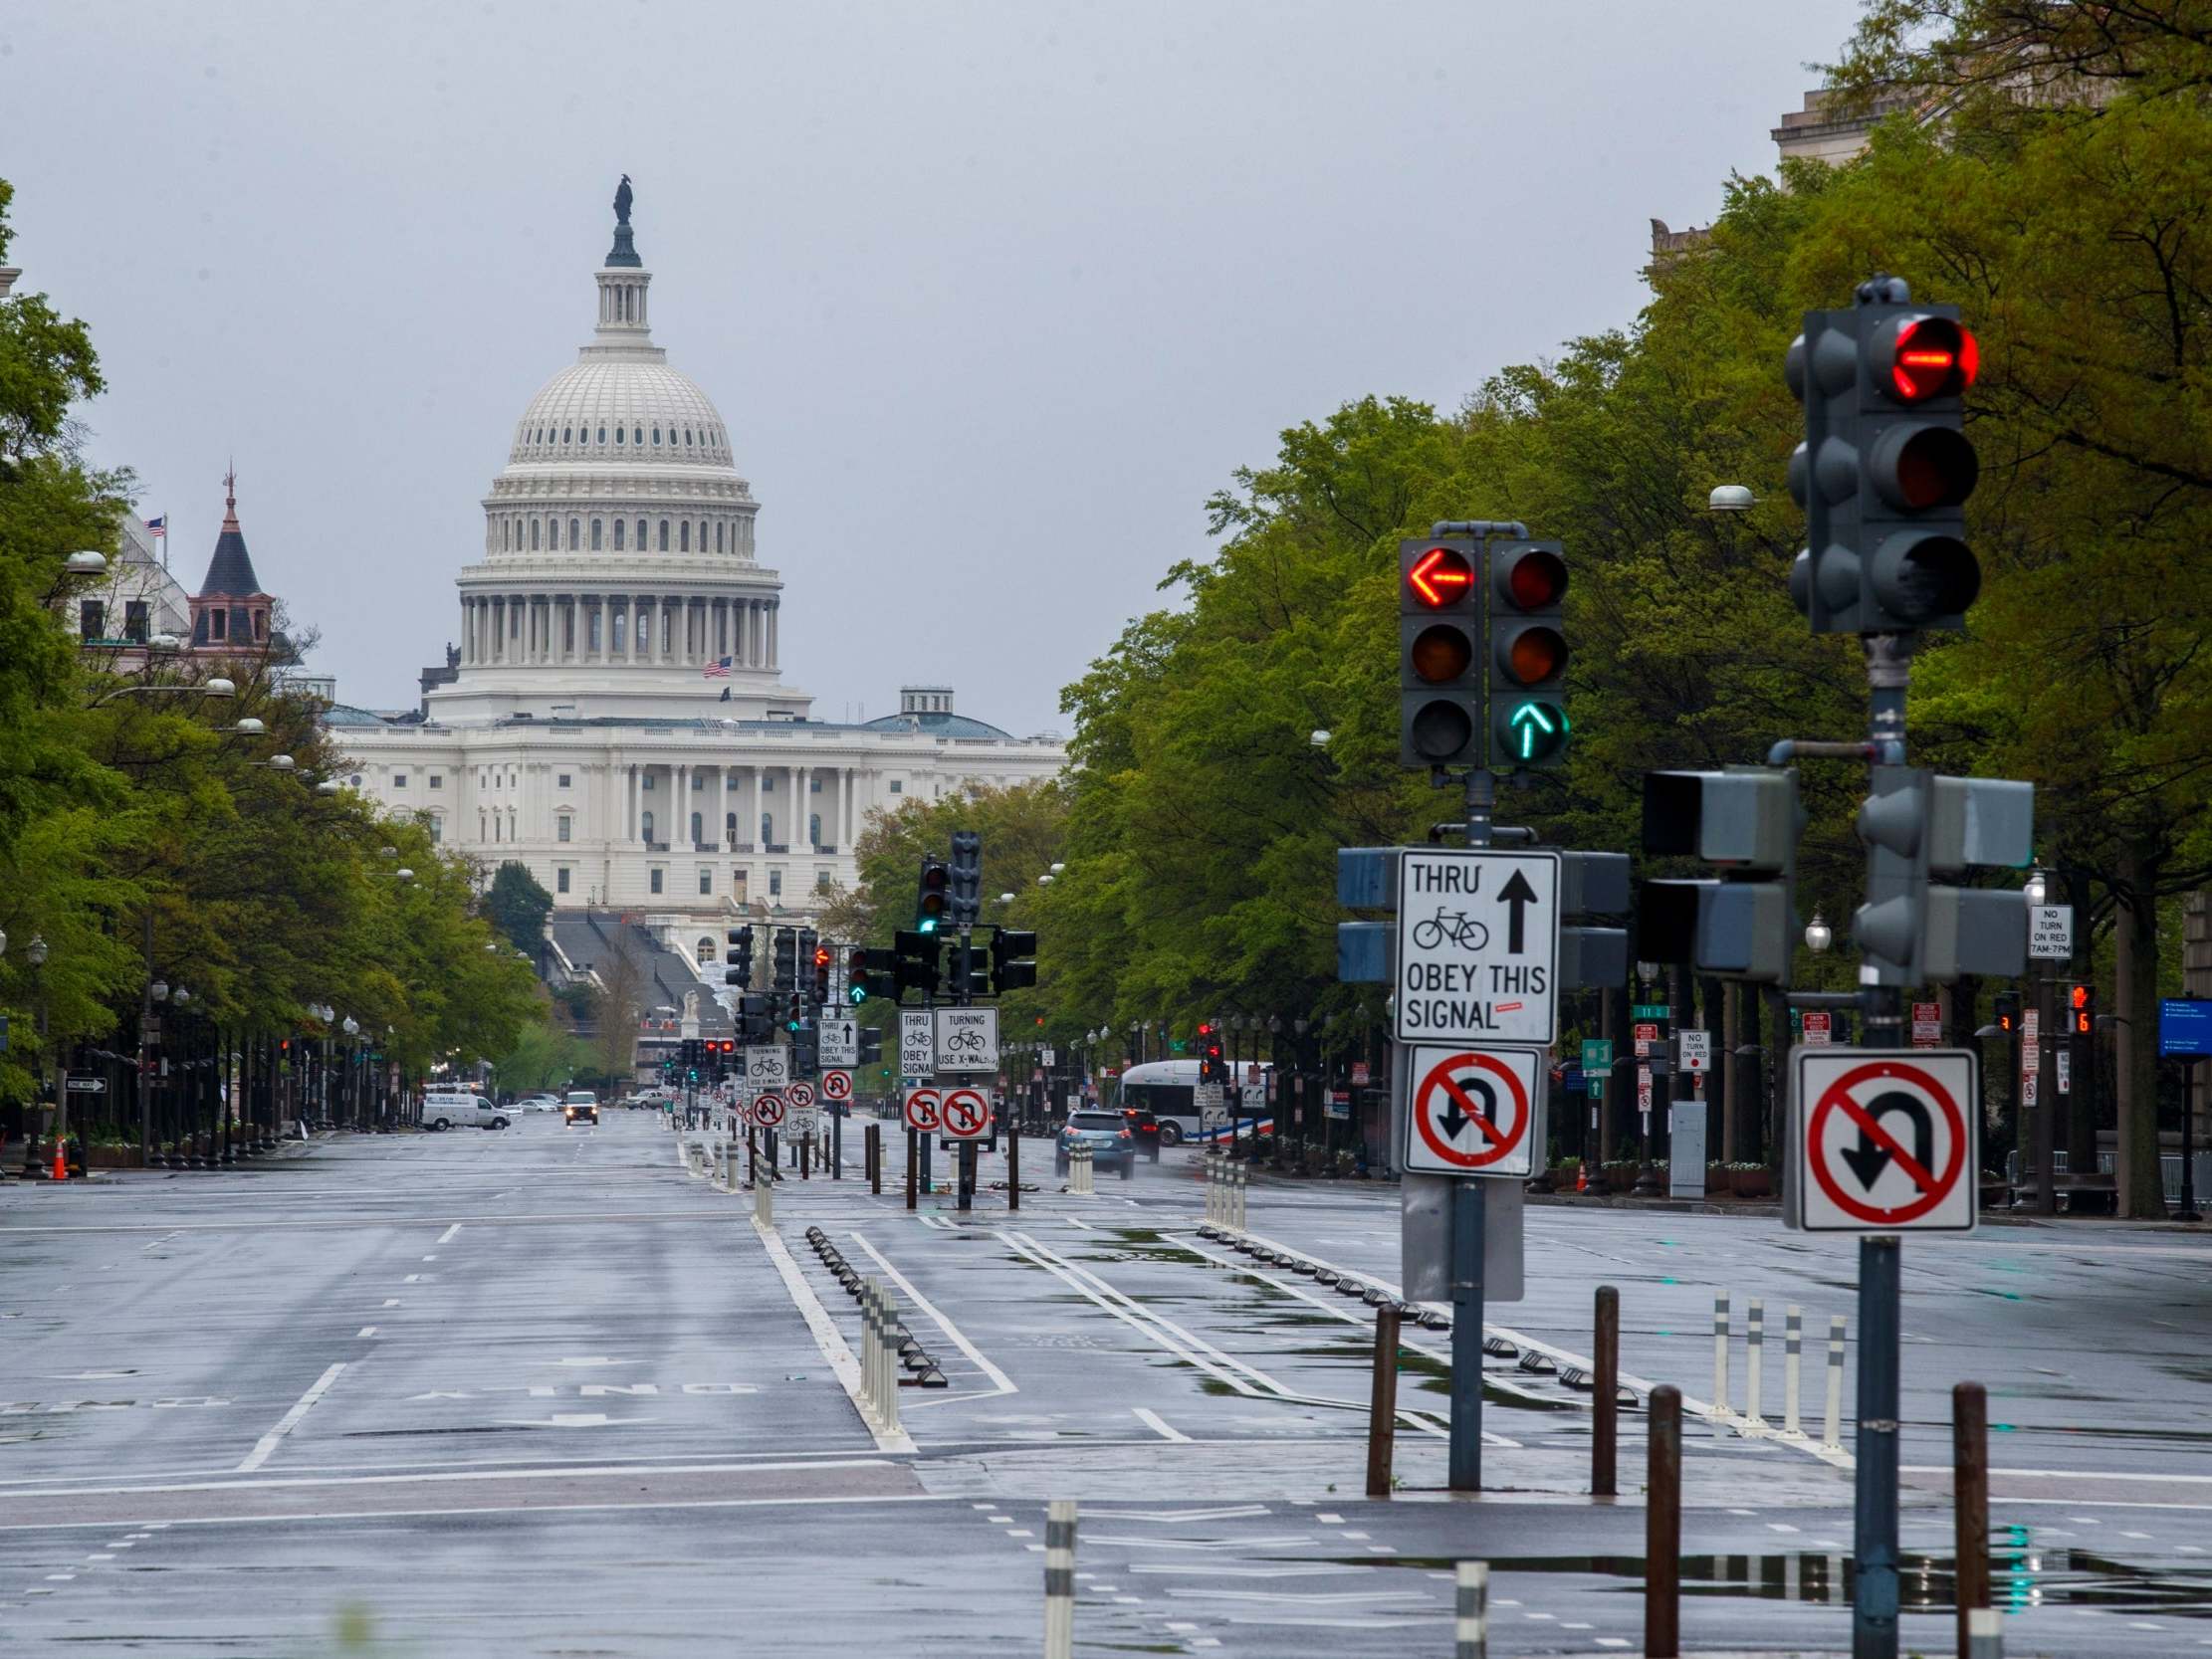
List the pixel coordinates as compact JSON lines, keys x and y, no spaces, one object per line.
{"x":1883,"y":1141}
{"x":1474,"y":1110}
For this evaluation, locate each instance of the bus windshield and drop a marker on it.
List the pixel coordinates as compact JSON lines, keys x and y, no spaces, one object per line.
{"x":1166,"y":1100}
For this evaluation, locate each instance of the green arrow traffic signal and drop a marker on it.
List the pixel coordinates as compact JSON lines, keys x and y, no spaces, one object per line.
{"x":1535,"y":730}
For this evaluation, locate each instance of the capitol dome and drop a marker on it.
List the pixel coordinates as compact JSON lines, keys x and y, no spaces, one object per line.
{"x":618,"y":536}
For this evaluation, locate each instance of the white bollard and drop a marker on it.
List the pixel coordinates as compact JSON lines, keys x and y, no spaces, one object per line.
{"x":763,"y":1203}
{"x":887,"y":1362}
{"x":1794,"y":1320}
{"x":871,"y":1390}
{"x":1754,"y":1359}
{"x":1831,"y":1439}
{"x":1059,"y":1579}
{"x":1472,"y":1611}
{"x":1720,"y":1353}
{"x":1239,"y":1181}
{"x":1985,"y":1634}
{"x":1079,"y":1173}
{"x":1213,"y":1188}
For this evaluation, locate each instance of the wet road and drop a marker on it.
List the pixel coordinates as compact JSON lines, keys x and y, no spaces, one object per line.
{"x":543,"y":1392}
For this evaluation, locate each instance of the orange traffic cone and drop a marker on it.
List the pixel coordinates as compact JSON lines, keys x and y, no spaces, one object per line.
{"x":1582,"y":1177}
{"x":61,"y":1162}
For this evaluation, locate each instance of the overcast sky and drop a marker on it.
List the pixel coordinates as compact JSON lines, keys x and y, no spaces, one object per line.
{"x":991,"y":296}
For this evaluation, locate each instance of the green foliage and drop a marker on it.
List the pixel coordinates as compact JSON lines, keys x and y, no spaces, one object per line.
{"x":518,"y":905}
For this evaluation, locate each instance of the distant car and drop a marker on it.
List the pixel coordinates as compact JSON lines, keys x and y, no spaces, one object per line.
{"x":582,"y":1107}
{"x":538,"y":1102}
{"x":1144,"y":1129}
{"x":1108,"y":1136}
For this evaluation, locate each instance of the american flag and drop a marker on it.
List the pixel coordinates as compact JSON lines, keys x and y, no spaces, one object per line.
{"x":158,"y":527}
{"x":719,"y":669}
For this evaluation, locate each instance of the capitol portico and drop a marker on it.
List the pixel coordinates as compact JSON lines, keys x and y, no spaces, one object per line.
{"x":614,"y":715}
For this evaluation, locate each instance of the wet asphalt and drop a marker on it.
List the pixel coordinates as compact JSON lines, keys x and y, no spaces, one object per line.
{"x":542,"y":1392}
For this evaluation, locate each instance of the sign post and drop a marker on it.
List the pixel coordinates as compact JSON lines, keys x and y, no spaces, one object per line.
{"x":2185,"y":1030}
{"x":1477,"y":977}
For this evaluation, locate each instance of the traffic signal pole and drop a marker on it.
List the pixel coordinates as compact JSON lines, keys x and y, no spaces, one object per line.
{"x":1469,"y":1221}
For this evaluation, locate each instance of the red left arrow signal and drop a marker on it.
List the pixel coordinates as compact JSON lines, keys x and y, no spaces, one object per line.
{"x":1440,"y":577}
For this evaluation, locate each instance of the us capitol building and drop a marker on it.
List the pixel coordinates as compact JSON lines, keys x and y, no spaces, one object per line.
{"x":615,"y":715}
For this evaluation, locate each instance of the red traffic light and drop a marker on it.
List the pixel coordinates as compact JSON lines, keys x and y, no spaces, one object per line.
{"x":1534,"y":581}
{"x":1204,"y":1030}
{"x":1441,"y":576}
{"x":1932,"y":356}
{"x":822,"y":955}
{"x":1534,"y":655}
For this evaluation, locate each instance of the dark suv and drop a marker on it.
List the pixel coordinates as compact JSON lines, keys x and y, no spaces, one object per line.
{"x":1144,"y":1130}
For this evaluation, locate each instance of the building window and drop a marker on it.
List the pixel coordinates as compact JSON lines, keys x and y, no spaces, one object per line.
{"x":221,"y":620}
{"x":775,"y":881}
{"x":619,"y":434}
{"x":437,"y":780}
{"x":566,"y":435}
{"x":618,"y":536}
{"x":729,"y":826}
{"x":603,"y":434}
{"x":576,"y":539}
{"x":814,"y":829}
{"x":815,"y":784}
{"x":767,"y":783}
{"x":707,"y":944}
{"x":562,"y":827}
{"x":718,"y":535}
{"x":658,"y":874}
{"x":706,"y":881}
{"x":768,"y":829}
{"x":683,"y":539}
{"x":698,"y":828}
{"x":897,"y":787}
{"x":648,"y":780}
{"x":637,"y":434}
{"x":136,"y":620}
{"x":656,"y":437}
{"x":664,"y":535}
{"x":552,"y":535}
{"x":437,"y":829}
{"x":399,"y":780}
{"x":91,"y":616}
{"x":564,"y":781}
{"x":737,"y":885}
{"x":641,"y":542}
{"x":821,"y":881}
{"x":533,"y":531}
{"x":645,"y":825}
{"x":561,"y":879}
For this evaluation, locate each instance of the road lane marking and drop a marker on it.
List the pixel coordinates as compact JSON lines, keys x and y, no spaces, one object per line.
{"x":268,"y":1443}
{"x":365,"y":1331}
{"x":280,"y":1517}
{"x":1001,"y":1384}
{"x":827,"y":1338}
{"x":1152,"y":1420}
{"x":446,"y":1237}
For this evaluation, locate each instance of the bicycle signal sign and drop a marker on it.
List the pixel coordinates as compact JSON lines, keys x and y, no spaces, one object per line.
{"x":1477,"y":947}
{"x":967,"y":1039}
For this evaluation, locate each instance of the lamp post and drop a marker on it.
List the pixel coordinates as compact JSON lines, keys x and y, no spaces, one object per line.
{"x":35,"y":954}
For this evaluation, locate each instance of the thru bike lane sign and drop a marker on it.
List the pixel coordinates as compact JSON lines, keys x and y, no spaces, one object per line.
{"x":1478,"y":945}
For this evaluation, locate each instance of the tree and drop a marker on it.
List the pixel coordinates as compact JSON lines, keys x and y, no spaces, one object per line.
{"x":619,"y":1006}
{"x":519,"y":905}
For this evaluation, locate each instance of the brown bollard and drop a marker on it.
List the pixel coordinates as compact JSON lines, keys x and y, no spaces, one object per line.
{"x":806,"y":1153}
{"x":1662,"y":1528}
{"x":875,"y":1160}
{"x":1605,"y":1397}
{"x":913,"y":1159}
{"x":1381,"y":1408}
{"x":1970,"y":1503}
{"x":1013,"y":1165}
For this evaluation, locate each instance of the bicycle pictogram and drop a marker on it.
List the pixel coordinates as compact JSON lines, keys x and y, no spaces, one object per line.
{"x":1459,"y":928}
{"x":965,"y":1042}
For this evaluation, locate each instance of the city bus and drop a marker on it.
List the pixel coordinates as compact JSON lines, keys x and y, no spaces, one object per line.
{"x":1168,"y":1090}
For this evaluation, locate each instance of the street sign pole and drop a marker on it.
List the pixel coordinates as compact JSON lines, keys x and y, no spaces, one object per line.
{"x":1468,"y":1219}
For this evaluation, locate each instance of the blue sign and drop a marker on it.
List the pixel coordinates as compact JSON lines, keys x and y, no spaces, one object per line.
{"x":1570,"y":1080}
{"x":2184,"y":1025}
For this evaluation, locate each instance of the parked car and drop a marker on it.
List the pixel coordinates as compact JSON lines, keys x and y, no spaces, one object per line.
{"x":539,"y":1103}
{"x":443,"y":1110}
{"x":1108,"y":1136}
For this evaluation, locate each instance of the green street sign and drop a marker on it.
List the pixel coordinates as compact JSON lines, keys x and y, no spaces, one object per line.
{"x":1597,"y":1054}
{"x":1654,"y":1011}
{"x":1175,"y":1046}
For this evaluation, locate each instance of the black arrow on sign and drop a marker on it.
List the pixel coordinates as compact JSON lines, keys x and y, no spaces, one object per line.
{"x":1519,"y":894}
{"x":1870,"y":1157}
{"x":1452,"y":1118}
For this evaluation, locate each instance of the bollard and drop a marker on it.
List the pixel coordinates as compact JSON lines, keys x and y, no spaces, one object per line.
{"x":1985,"y":1634}
{"x":887,"y":1361}
{"x":1970,"y":1506}
{"x":1754,"y":1341}
{"x":1059,"y":1579}
{"x":911,"y":1159}
{"x":1720,"y":1354}
{"x":763,"y":1203}
{"x":1382,"y":1406}
{"x":1605,"y":1396}
{"x":1472,"y":1611}
{"x":1792,"y":1341}
{"x":1832,"y":1437}
{"x":871,"y":1391}
{"x":1662,"y":1527}
{"x":805,"y":1150}
{"x":1013,"y":1165}
{"x":1212,"y":1186}
{"x":875,"y":1160}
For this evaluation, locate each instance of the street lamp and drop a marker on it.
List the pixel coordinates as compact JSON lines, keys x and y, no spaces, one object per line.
{"x":2036,"y":887}
{"x":1057,"y":868}
{"x":1819,"y":935}
{"x":217,"y":686}
{"x":275,"y":763}
{"x":1006,"y":898}
{"x":1045,"y":881}
{"x":1731,"y":498}
{"x":86,"y":564}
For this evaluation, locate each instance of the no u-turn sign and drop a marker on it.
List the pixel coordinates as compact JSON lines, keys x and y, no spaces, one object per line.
{"x":1883,"y":1141}
{"x":1474,"y":1112}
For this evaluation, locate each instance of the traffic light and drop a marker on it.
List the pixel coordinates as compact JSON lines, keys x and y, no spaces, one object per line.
{"x":966,"y":878}
{"x":1212,"y":1067}
{"x":794,"y":1010}
{"x":1013,"y":961}
{"x":1747,"y":820}
{"x":754,"y":1017}
{"x":1439,"y":659}
{"x":916,"y":962}
{"x":1886,"y":467}
{"x":1528,"y":654}
{"x":1917,"y":824}
{"x":804,"y":1052}
{"x":813,"y":957}
{"x":740,"y":970}
{"x":2005,"y":1007}
{"x":871,"y":973}
{"x":933,"y":904}
{"x":786,"y":959}
{"x":2081,"y":1010}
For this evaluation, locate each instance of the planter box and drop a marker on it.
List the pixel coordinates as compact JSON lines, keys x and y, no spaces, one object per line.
{"x":114,"y":1157}
{"x":1751,"y":1183}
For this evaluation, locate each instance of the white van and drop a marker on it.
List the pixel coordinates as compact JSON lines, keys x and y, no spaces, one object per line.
{"x":451,"y":1108}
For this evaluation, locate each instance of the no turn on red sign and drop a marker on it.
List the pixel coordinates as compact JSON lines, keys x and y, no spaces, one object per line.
{"x":1883,"y":1141}
{"x":1475,"y":1110}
